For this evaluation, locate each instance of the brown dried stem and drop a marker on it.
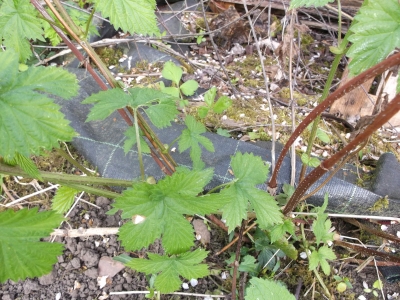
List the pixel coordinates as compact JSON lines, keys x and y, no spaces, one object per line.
{"x":373,"y":231}
{"x":349,"y":86}
{"x":326,"y":165}
{"x":368,"y":251}
{"x":237,"y":259}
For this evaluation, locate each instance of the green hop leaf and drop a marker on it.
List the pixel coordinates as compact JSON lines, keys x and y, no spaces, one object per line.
{"x":191,"y":138}
{"x":321,"y":256}
{"x":130,"y":133}
{"x":223,"y":132}
{"x":267,"y":289}
{"x":30,"y":120}
{"x":63,"y":199}
{"x":172,"y":72}
{"x":18,"y":24}
{"x":376,"y":33}
{"x":249,"y":171}
{"x":187,"y":265}
{"x":135,"y":16}
{"x":159,"y":107}
{"x":209,"y":96}
{"x":310,"y":161}
{"x":22,"y":254}
{"x":322,"y":224}
{"x":223,"y":103}
{"x":279,"y":230}
{"x":323,"y":136}
{"x":162,"y":207}
{"x":189,"y":87}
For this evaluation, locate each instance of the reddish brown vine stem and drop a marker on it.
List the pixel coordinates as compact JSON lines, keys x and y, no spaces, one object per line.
{"x":349,"y":86}
{"x":392,"y":108}
{"x":166,"y":162}
{"x":79,"y":56}
{"x":367,"y":251}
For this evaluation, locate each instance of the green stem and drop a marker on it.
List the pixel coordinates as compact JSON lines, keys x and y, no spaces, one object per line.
{"x":67,"y":18}
{"x":305,"y":245}
{"x":62,"y":153}
{"x":173,"y":142}
{"x":139,"y":148}
{"x":89,"y":21}
{"x":339,"y":5}
{"x":221,"y":186}
{"x":94,"y":191}
{"x":325,"y":93}
{"x":66,"y":178}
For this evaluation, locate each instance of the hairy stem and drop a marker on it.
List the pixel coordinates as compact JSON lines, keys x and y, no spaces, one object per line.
{"x":392,"y":108}
{"x":237,"y":259}
{"x":349,"y":86}
{"x":66,"y":178}
{"x":139,"y":148}
{"x":77,"y":165}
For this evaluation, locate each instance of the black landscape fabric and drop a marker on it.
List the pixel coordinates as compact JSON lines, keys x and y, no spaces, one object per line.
{"x":101,"y":142}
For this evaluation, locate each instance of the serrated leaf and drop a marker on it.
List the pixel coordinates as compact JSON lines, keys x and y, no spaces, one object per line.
{"x":50,"y":33}
{"x":171,"y":90}
{"x":130,"y":133}
{"x":106,"y":102}
{"x":223,"y":103}
{"x":209,"y":96}
{"x":50,"y":80}
{"x":267,"y":289}
{"x":63,"y":199}
{"x":22,"y":254}
{"x":191,"y":137}
{"x":320,"y":257}
{"x":203,"y":111}
{"x":163,"y":205}
{"x":135,"y":16}
{"x":188,"y":265}
{"x":279,"y":230}
{"x":159,"y":107}
{"x":288,"y":189}
{"x":249,"y":171}
{"x":223,"y":132}
{"x":249,"y":265}
{"x":18,"y":24}
{"x":172,"y":72}
{"x":323,"y":136}
{"x":28,"y":166}
{"x":308,"y":3}
{"x":163,"y":113}
{"x":322,"y":224}
{"x":376,"y":33}
{"x":310,"y":161}
{"x":30,"y":120}
{"x":287,"y":248}
{"x":195,"y":155}
{"x":189,"y":87}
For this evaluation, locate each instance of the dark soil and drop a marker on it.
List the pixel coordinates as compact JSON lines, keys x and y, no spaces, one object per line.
{"x":76,"y":273}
